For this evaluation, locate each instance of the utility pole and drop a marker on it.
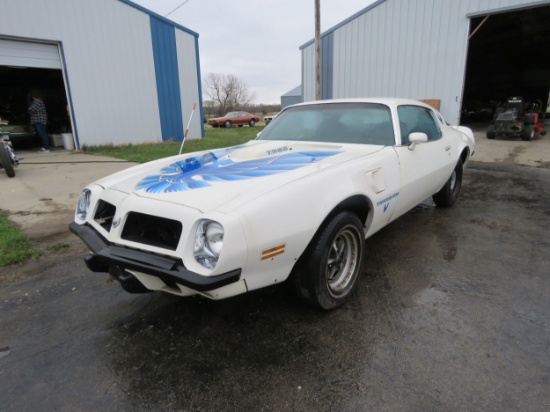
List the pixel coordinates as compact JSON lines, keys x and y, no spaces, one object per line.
{"x":317,"y":50}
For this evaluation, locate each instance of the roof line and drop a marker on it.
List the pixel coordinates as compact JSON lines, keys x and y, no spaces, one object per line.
{"x":158,"y":16}
{"x":346,"y":21}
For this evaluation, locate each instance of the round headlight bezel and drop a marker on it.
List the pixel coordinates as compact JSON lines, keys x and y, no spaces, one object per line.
{"x":83,"y":204}
{"x":208,"y":243}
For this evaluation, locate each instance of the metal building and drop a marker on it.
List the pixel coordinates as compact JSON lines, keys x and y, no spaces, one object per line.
{"x":291,"y":97}
{"x":112,"y":72}
{"x":455,"y":52}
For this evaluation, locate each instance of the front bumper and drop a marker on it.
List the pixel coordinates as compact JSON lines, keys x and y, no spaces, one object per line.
{"x":106,"y":257}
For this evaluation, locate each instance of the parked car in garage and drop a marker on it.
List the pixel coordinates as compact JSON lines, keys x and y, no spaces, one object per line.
{"x":16,"y":127}
{"x":235,"y":119}
{"x":296,"y":203}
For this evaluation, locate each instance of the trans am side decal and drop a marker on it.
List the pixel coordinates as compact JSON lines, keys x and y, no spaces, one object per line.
{"x":386,"y":201}
{"x":199,"y":171}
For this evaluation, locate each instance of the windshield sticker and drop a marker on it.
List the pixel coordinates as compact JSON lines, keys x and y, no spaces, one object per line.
{"x":386,"y":201}
{"x":200,"y":171}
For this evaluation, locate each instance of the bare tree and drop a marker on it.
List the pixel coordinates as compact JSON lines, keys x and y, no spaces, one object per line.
{"x":227,"y":91}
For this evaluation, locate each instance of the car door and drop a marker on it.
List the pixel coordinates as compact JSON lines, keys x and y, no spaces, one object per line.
{"x":241,"y":118}
{"x":424,"y":167}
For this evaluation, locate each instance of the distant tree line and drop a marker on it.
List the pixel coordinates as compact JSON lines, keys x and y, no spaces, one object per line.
{"x":226,"y":92}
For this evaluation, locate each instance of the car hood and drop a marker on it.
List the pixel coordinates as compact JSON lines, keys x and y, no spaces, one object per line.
{"x":223,"y":179}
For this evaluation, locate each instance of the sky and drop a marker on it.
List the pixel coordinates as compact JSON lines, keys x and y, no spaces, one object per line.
{"x":256,"y":40}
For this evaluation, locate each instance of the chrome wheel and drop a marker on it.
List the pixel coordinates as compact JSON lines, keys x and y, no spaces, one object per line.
{"x":343,"y":258}
{"x":326,"y":275}
{"x":452,"y":182}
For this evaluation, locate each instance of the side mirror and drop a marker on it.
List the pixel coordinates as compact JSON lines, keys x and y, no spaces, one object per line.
{"x":258,"y":135}
{"x":416,"y":138}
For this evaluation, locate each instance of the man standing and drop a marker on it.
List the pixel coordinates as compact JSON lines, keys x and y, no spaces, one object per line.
{"x":39,"y":120}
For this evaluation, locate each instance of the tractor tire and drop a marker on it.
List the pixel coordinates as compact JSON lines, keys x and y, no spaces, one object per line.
{"x":491,"y":134}
{"x":528,"y":133}
{"x":529,"y":119}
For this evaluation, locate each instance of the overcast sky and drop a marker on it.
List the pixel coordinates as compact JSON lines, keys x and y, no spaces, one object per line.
{"x":256,"y":40}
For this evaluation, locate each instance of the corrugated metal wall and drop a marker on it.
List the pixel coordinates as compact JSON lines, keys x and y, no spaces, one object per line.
{"x":402,"y":48}
{"x":107,"y":52}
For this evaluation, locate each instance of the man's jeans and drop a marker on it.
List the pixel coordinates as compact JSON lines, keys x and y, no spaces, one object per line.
{"x":40,"y":129}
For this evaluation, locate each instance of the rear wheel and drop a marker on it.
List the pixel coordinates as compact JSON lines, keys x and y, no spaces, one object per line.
{"x":528,"y":133}
{"x":491,"y":134}
{"x":529,"y":118}
{"x":448,"y":195}
{"x":325,"y":277}
{"x":6,"y":161}
{"x":252,"y":123}
{"x":227,"y":123}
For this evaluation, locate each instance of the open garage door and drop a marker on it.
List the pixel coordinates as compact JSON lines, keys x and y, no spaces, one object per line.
{"x":27,"y":67}
{"x":507,"y":56}
{"x":29,"y":54}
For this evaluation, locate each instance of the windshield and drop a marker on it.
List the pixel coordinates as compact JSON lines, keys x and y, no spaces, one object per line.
{"x":359,"y":123}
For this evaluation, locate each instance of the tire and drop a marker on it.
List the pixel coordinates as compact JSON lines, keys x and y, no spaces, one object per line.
{"x":227,"y":123}
{"x":6,"y":161}
{"x":491,"y":134}
{"x":326,"y":275}
{"x":529,"y":119}
{"x":448,"y":195}
{"x":528,"y":133}
{"x":252,"y":123}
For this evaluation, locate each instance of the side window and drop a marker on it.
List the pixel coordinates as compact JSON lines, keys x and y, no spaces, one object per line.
{"x":417,"y":119}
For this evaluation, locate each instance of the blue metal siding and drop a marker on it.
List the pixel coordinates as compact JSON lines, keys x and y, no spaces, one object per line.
{"x":167,"y":76}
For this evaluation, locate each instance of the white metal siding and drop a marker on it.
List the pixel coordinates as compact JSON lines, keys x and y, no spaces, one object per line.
{"x":402,"y":48}
{"x":108,"y":57}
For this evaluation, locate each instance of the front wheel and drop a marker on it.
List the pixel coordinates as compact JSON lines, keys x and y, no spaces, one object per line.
{"x":448,"y":195}
{"x":252,"y":123}
{"x":6,"y":161}
{"x":325,"y":277}
{"x":528,"y":133}
{"x":227,"y":123}
{"x":491,"y":134}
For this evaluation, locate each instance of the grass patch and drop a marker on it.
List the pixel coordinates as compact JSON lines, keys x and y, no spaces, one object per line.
{"x":15,"y":247}
{"x":214,"y":139}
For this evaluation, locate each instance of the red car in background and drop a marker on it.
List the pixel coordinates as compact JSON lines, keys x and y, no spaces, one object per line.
{"x":234,"y":119}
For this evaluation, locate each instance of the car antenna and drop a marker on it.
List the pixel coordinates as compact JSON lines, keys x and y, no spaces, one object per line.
{"x":187,"y":129}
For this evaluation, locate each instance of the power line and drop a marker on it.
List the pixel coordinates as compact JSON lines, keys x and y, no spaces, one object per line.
{"x":181,"y":5}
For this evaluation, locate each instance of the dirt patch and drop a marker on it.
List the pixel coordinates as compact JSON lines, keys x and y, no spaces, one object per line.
{"x":54,"y":248}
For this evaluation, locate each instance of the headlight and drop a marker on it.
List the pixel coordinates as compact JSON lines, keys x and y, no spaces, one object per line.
{"x":208,"y":243}
{"x":83,"y":204}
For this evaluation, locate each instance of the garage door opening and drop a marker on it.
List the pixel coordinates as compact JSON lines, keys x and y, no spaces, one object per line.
{"x":28,"y":67}
{"x":507,"y":56}
{"x":17,"y":84}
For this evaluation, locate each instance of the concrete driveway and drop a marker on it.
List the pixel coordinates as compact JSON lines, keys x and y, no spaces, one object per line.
{"x":42,"y":196}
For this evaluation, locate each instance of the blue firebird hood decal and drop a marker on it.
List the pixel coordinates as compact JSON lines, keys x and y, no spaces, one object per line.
{"x":198,"y":171}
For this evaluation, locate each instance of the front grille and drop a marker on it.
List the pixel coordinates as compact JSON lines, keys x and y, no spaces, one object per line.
{"x":152,"y":230}
{"x":104,"y":214}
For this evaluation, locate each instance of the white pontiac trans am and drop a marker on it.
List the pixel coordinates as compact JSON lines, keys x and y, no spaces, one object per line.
{"x":296,"y":203}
